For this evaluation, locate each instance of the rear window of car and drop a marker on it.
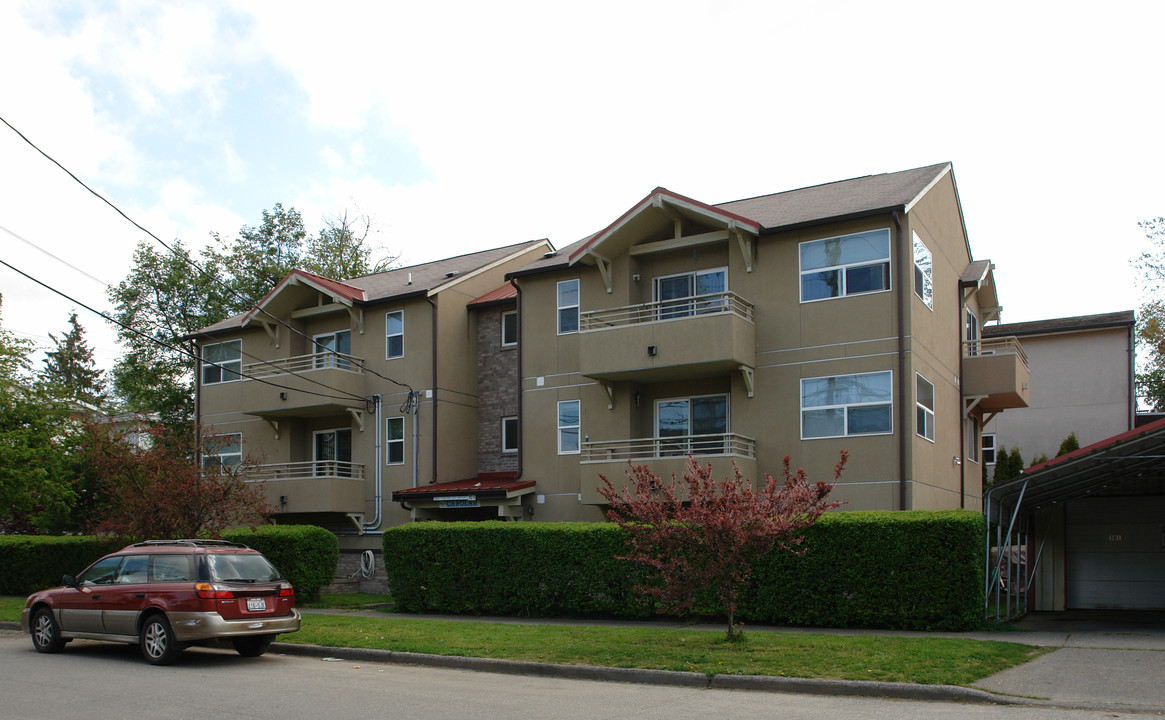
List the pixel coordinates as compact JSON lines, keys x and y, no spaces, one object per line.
{"x":133,"y":569}
{"x":240,"y":567}
{"x":172,"y":568}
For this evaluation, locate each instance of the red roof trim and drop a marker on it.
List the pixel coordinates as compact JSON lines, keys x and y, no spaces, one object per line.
{"x":643,"y":204}
{"x":505,"y":292}
{"x":497,"y":484}
{"x":1102,"y":444}
{"x":335,"y":287}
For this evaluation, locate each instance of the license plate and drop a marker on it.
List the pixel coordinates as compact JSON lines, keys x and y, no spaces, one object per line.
{"x":256,"y":604}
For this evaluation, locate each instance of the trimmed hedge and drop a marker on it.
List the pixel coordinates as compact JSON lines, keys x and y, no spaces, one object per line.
{"x":34,"y":562}
{"x":914,"y":570}
{"x":306,"y":555}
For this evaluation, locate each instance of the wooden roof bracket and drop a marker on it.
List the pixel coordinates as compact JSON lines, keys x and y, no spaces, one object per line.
{"x":748,"y":374}
{"x":604,"y":266}
{"x":271,"y":328}
{"x":676,"y":218}
{"x":358,"y":520}
{"x":609,"y":388}
{"x":973,"y":401}
{"x":746,"y":245}
{"x":274,"y":425}
{"x":358,"y":416}
{"x":357,"y":315}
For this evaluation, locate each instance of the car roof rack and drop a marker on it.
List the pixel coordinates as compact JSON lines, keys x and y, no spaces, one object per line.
{"x":191,"y":542}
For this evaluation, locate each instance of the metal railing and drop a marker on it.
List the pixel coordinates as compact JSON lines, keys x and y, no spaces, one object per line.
{"x":694,"y":306}
{"x":678,"y":446}
{"x":995,"y":346}
{"x":304,"y":363}
{"x":311,"y":470}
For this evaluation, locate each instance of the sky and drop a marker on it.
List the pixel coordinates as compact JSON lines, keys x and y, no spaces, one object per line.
{"x":460,"y":126}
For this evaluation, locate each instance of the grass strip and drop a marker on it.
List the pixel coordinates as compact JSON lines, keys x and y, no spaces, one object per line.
{"x":346,"y":601}
{"x":929,"y":661}
{"x":10,"y":608}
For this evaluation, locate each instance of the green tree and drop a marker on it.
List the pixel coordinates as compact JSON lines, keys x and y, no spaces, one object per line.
{"x":342,"y":250}
{"x":1008,"y":465}
{"x":14,"y":356}
{"x":1151,"y":317}
{"x":259,"y":257}
{"x":1070,"y":444}
{"x":70,"y":372}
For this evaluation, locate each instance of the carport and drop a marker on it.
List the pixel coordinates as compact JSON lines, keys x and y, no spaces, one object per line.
{"x":1083,"y":531}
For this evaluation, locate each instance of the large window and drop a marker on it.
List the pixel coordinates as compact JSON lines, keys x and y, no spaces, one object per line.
{"x":222,"y":451}
{"x":923,"y":272}
{"x":684,"y":294}
{"x":845,"y":405}
{"x":329,"y":347}
{"x":683,"y":425}
{"x":394,"y":441}
{"x":567,"y":307}
{"x":332,"y":452}
{"x":568,"y":427}
{"x":510,"y":435}
{"x":924,"y":407}
{"x":846,"y":265}
{"x":221,"y":362}
{"x":394,"y":334}
{"x":509,"y":329}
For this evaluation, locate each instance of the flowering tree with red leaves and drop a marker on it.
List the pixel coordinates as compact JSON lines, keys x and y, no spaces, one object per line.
{"x":154,"y":489}
{"x":702,"y":536}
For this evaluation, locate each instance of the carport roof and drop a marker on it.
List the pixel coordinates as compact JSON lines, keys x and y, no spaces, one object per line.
{"x":1132,"y":455}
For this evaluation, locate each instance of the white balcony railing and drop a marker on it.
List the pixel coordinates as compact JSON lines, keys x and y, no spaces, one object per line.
{"x":315,"y":469}
{"x":304,"y":363}
{"x":1008,"y":345}
{"x":655,"y":448}
{"x":695,"y":306}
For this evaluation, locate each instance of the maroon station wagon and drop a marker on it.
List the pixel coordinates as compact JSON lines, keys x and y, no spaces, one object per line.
{"x":165,"y":595}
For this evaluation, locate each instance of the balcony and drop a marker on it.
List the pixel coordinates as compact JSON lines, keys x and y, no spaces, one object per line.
{"x":324,"y":486}
{"x":995,"y":374}
{"x":664,"y":456}
{"x":668,"y":340}
{"x":302,"y":386}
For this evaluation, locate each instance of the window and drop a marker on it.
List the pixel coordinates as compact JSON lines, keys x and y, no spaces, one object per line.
{"x":924,"y":404}
{"x":989,"y":448}
{"x":689,"y":421}
{"x":510,"y":435}
{"x":675,"y":293}
{"x":328,"y":348}
{"x":394,"y":441}
{"x":134,"y":569}
{"x":973,"y":439}
{"x":101,"y":572}
{"x":923,"y":273}
{"x":568,"y":427}
{"x":846,"y":265}
{"x":171,"y":568}
{"x":509,"y":329}
{"x":567,"y":307}
{"x":972,"y":333}
{"x":223,"y":451}
{"x":220,"y":362}
{"x":332,"y":452}
{"x":845,"y":405}
{"x":394,"y":334}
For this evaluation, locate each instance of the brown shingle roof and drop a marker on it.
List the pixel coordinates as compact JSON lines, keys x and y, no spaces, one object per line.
{"x":1068,"y":324}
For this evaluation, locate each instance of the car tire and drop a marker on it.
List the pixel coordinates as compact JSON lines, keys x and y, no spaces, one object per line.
{"x":254,"y":645}
{"x":46,"y":633}
{"x":159,"y":646}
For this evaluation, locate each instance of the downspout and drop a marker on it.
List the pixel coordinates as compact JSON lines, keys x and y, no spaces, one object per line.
{"x":433,"y":351}
{"x":197,"y":403}
{"x":1132,"y":418}
{"x":518,"y":351}
{"x":378,"y":486}
{"x":903,"y":417}
{"x":962,"y":430}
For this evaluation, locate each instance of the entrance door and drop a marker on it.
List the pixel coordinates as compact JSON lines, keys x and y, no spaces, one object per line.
{"x":333,"y":453}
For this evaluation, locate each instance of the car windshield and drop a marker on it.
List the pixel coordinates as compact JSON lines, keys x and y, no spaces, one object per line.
{"x":241,"y":567}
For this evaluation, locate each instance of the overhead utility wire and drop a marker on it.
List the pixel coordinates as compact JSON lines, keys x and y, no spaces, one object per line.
{"x":196,"y":266}
{"x":157,"y":326}
{"x":173,"y":348}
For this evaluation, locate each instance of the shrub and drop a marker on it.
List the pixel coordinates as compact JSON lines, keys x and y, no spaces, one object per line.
{"x":304,"y":554}
{"x":34,"y":562}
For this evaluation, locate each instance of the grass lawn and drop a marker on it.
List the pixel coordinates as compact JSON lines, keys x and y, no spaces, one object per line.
{"x":950,"y":661}
{"x":10,"y":608}
{"x":346,"y":601}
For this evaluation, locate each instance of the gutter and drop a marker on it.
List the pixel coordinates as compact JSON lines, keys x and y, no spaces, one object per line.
{"x":903,"y":418}
{"x":518,"y":350}
{"x":433,"y":355}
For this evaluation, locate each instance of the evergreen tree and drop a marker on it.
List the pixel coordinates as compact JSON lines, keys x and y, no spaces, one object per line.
{"x":1070,"y":444}
{"x":70,"y":372}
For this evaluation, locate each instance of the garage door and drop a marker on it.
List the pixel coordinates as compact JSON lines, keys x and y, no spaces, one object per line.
{"x":1116,"y":553}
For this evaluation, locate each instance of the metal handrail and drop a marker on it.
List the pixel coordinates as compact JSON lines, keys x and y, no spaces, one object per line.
{"x":677,"y":446}
{"x":686,"y":307}
{"x":1008,"y":345}
{"x":304,"y":363}
{"x":310,"y":470}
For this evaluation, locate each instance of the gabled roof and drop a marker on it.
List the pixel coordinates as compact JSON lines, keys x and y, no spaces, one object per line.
{"x":341,"y":293}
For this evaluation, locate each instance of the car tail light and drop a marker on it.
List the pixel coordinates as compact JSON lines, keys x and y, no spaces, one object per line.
{"x":213,"y":592}
{"x":285,"y":590}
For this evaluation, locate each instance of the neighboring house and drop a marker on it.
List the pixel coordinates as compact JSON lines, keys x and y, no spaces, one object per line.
{"x":1082,"y":382}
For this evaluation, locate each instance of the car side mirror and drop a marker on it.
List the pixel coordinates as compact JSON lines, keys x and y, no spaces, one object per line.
{"x":69,"y":581}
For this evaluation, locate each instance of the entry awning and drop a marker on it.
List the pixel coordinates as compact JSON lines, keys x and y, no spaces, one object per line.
{"x":486,"y":486}
{"x":1134,"y":455}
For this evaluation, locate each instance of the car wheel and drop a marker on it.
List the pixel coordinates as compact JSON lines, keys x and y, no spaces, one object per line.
{"x":46,"y":634}
{"x":159,"y":646}
{"x":253,"y":646}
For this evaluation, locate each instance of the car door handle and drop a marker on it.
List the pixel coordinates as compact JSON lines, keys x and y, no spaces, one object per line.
{"x":139,"y":596}
{"x":96,"y":597}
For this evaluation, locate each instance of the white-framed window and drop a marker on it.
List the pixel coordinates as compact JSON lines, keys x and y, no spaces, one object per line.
{"x":568,"y":306}
{"x":509,"y":434}
{"x":972,"y":439}
{"x":845,"y":405}
{"x":328,"y":347}
{"x":924,"y":407}
{"x":972,"y":333}
{"x":222,"y":451}
{"x":923,"y":272}
{"x":696,"y":292}
{"x":509,"y":328}
{"x":694,"y":425}
{"x":569,"y":425}
{"x":394,"y":441}
{"x":222,"y":362}
{"x":332,"y":452}
{"x":988,"y":448}
{"x":847,"y":265}
{"x":394,"y":334}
